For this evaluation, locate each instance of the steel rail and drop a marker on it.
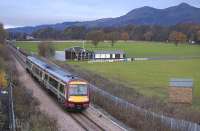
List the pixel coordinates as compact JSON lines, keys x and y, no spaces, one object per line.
{"x":83,"y":120}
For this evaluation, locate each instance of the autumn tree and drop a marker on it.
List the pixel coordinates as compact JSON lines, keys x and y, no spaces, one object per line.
{"x":177,"y":37}
{"x":3,"y":55}
{"x":95,"y":37}
{"x":3,"y":81}
{"x":124,"y":36}
{"x":46,"y":49}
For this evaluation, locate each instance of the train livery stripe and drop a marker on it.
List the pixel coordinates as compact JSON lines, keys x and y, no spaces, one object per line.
{"x":78,"y":99}
{"x":77,"y":83}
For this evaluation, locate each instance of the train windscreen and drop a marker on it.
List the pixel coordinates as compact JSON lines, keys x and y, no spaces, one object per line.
{"x":78,"y":90}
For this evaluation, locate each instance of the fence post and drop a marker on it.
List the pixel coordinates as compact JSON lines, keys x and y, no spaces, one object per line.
{"x":195,"y":127}
{"x":171,"y":124}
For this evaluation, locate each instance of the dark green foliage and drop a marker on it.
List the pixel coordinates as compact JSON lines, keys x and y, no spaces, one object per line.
{"x":75,"y":33}
{"x":134,"y":32}
{"x":48,"y":34}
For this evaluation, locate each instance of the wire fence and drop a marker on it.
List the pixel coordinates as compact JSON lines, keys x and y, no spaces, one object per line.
{"x":12,"y":123}
{"x":172,"y":123}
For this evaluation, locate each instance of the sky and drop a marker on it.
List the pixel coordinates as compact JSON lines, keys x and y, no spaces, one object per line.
{"x":15,"y":13}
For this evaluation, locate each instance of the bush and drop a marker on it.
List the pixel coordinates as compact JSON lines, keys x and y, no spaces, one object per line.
{"x":28,"y":112}
{"x":28,"y":115}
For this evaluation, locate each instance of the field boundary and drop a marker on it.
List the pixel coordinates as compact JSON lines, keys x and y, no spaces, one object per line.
{"x":169,"y":122}
{"x":172,"y":123}
{"x":12,"y":123}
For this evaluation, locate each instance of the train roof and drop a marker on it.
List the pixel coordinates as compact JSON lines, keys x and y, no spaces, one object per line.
{"x":53,"y":69}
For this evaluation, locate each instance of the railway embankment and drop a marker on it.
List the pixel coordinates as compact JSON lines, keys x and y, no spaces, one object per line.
{"x":52,"y":108}
{"x":134,"y":109}
{"x":144,"y":115}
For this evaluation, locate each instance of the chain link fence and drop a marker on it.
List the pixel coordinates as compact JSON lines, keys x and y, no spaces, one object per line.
{"x":170,"y":123}
{"x":12,"y":123}
{"x":108,"y":99}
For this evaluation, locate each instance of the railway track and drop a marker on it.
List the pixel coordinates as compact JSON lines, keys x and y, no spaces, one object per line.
{"x":82,"y":119}
{"x":85,"y":122}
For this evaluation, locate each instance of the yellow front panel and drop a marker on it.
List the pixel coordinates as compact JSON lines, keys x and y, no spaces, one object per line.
{"x":78,"y":99}
{"x":78,"y":83}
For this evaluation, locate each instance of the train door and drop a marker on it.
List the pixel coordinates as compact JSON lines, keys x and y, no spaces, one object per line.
{"x":61,"y":93}
{"x":46,"y":80}
{"x":66,"y":91}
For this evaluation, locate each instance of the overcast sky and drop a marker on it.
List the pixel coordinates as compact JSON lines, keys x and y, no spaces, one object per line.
{"x":35,"y":12}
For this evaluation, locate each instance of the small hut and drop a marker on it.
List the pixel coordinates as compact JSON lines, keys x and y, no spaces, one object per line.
{"x":113,"y":54}
{"x":78,"y":53}
{"x":181,"y":91}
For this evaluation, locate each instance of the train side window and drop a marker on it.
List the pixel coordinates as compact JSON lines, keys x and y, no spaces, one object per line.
{"x":62,"y":89}
{"x":41,"y":74}
{"x":28,"y":63}
{"x":36,"y":71}
{"x":46,"y":77}
{"x":53,"y":82}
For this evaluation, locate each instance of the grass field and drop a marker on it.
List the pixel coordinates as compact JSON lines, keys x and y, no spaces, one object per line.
{"x":133,"y":49}
{"x":148,"y":77}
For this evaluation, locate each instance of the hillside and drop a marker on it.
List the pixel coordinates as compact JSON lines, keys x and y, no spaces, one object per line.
{"x":183,"y":13}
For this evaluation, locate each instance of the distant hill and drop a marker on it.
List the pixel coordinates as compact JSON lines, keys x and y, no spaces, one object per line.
{"x":183,"y":13}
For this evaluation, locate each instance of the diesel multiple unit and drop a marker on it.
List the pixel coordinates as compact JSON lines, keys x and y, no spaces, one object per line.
{"x":70,"y":90}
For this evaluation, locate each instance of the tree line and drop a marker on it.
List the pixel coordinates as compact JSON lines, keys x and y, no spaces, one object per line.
{"x":178,"y":33}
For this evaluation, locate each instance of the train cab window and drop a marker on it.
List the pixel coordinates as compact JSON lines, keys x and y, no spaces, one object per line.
{"x":53,"y":82}
{"x":62,"y":89}
{"x":75,"y":90}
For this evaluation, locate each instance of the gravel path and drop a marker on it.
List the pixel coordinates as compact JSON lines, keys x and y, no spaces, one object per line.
{"x":66,"y":123}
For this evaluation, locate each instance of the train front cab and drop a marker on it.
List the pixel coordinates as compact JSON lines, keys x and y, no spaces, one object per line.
{"x":77,"y":95}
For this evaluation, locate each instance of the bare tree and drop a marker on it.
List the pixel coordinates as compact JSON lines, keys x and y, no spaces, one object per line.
{"x":113,"y":37}
{"x":198,"y":36}
{"x":95,"y":37}
{"x":177,"y":37}
{"x":46,"y":49}
{"x":148,"y":36}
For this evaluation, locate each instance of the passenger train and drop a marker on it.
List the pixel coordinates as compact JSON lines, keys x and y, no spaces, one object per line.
{"x":70,"y":90}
